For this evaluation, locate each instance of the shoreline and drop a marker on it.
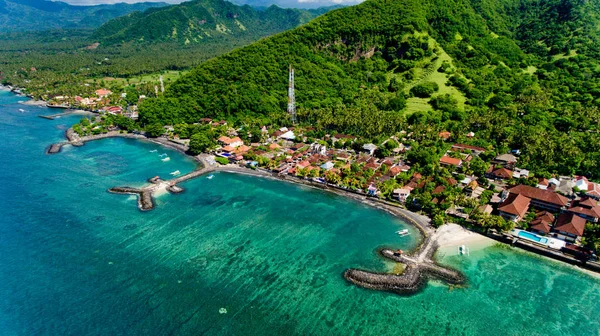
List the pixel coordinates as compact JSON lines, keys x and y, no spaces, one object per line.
{"x":420,"y":264}
{"x":417,"y":273}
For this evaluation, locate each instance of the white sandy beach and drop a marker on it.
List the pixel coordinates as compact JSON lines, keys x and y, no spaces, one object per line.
{"x":450,"y":236}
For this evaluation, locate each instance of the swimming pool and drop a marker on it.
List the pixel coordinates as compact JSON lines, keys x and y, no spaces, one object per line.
{"x":533,"y":237}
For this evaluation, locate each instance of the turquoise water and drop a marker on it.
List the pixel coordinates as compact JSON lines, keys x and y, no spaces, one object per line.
{"x":76,"y":260}
{"x":534,"y":237}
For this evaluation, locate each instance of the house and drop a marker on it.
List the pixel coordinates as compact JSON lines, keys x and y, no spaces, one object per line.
{"x":289,"y":135}
{"x":540,"y":226}
{"x":369,"y":148}
{"x":501,"y":174}
{"x":473,"y":149}
{"x":274,"y":146}
{"x":593,"y":190}
{"x":553,"y":183}
{"x":327,"y":165}
{"x":113,"y":110}
{"x":586,"y":208}
{"x":542,"y":199}
{"x":566,"y":187}
{"x":514,"y":207}
{"x":438,"y":190}
{"x":542,"y":183}
{"x":445,"y":135}
{"x":102,"y":93}
{"x":395,"y":170}
{"x":487,"y":209}
{"x":569,"y":227}
{"x":297,"y":146}
{"x":450,"y":161}
{"x":581,"y":183}
{"x":233,"y":142}
{"x":520,"y":173}
{"x":506,"y":160}
{"x":343,"y":156}
{"x":542,"y":223}
{"x":372,"y":190}
{"x":401,"y":194}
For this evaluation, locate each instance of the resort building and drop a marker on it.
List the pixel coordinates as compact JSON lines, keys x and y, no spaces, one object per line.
{"x":586,"y":208}
{"x":514,"y":207}
{"x":569,"y":227}
{"x":541,"y":199}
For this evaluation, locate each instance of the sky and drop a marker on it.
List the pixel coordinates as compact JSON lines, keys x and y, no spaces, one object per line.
{"x":280,"y":3}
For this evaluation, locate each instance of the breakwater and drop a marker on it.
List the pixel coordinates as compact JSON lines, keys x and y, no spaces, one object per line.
{"x":145,"y":201}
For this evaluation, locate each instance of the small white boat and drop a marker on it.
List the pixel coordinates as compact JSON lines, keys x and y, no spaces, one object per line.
{"x":210,"y":176}
{"x":154,"y":151}
{"x":463,"y":250}
{"x":21,"y":110}
{"x":165,"y":159}
{"x":403,"y":232}
{"x":175,"y":173}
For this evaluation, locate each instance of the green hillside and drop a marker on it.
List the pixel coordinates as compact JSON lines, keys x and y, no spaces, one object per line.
{"x":201,"y":20}
{"x":35,"y":15}
{"x":519,"y":73}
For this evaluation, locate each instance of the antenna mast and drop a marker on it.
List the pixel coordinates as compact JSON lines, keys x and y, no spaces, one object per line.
{"x":291,"y":97}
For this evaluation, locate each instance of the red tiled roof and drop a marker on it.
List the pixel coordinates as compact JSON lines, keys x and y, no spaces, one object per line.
{"x":395,"y":171}
{"x":502,"y":173}
{"x":545,"y":215}
{"x":546,"y":196}
{"x":515,"y":204}
{"x":463,"y":146}
{"x":450,"y":161}
{"x":451,"y":181}
{"x":540,"y":226}
{"x":570,"y":223}
{"x":444,"y":135}
{"x":438,"y":190}
{"x":587,"y":203}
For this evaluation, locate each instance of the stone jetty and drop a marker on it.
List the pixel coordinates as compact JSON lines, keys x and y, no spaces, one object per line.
{"x":420,"y":268}
{"x":145,"y":201}
{"x":74,"y":139}
{"x":54,"y":148}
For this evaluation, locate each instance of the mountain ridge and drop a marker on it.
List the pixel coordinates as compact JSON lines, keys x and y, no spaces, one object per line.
{"x":198,"y":20}
{"x":35,"y":15}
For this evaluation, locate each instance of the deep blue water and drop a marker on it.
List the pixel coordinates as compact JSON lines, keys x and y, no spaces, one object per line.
{"x":76,"y":260}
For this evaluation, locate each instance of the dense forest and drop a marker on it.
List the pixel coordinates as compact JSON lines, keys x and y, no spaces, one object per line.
{"x":520,"y":74}
{"x":200,"y":21}
{"x":72,"y":62}
{"x":36,"y":15}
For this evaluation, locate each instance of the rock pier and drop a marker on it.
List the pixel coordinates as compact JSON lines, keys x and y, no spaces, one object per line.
{"x":420,"y":268}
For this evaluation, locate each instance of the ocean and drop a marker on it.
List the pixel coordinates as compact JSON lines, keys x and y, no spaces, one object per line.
{"x":233,"y":255}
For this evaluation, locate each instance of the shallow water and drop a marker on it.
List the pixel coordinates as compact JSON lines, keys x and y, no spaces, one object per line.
{"x":77,"y":260}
